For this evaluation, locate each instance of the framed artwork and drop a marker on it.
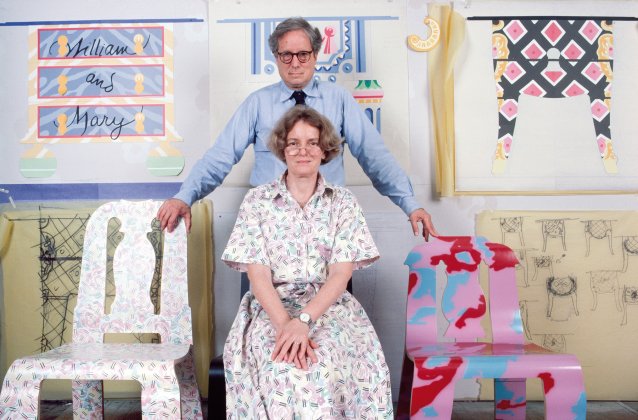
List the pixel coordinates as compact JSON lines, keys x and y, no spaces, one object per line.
{"x":543,"y":104}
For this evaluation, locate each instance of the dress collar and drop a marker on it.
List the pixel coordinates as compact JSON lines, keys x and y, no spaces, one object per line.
{"x":279,"y":190}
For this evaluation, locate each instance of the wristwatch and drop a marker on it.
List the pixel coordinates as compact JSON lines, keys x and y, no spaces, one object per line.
{"x":305,"y":318}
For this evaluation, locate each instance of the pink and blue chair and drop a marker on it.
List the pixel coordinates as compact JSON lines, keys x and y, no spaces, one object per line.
{"x":432,"y":367}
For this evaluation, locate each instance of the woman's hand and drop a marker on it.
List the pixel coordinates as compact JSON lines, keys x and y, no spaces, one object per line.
{"x":292,"y":344}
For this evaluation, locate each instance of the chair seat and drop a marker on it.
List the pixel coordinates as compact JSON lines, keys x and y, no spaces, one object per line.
{"x":468,"y":349}
{"x":94,"y":354}
{"x":496,"y":361}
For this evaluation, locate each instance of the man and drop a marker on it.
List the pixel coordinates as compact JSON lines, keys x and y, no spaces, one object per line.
{"x":295,"y":45}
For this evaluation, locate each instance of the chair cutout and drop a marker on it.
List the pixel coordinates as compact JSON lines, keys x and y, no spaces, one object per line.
{"x":431,"y":368}
{"x":165,"y":371}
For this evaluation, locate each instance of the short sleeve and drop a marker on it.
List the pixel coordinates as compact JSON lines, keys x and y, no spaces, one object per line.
{"x":246,"y":244}
{"x":353,"y":241}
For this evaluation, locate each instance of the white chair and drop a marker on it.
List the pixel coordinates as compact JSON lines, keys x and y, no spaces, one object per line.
{"x":165,"y":370}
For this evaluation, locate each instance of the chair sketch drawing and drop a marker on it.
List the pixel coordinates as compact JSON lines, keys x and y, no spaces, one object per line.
{"x":431,"y":367}
{"x":561,"y":287}
{"x":512,"y":225}
{"x":164,"y":370}
{"x":603,"y":282}
{"x":598,"y":229}
{"x":553,"y":228}
{"x":543,"y":262}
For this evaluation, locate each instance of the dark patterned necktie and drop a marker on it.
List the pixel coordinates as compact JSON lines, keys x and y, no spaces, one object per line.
{"x":299,"y":96}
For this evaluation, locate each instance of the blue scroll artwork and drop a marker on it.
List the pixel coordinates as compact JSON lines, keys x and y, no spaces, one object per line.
{"x":103,"y":121}
{"x":100,"y":42}
{"x":97,"y":81}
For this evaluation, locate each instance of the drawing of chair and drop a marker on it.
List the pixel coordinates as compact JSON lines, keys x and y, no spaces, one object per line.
{"x":629,"y":249}
{"x":630,"y":297}
{"x":553,"y":58}
{"x":431,"y":367}
{"x":605,"y":281}
{"x":512,"y":225}
{"x":553,"y":228}
{"x":598,"y":229}
{"x":543,"y":262}
{"x":165,"y":371}
{"x":561,"y":287}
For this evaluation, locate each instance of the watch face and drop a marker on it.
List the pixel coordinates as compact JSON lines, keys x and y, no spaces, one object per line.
{"x":304,"y":317}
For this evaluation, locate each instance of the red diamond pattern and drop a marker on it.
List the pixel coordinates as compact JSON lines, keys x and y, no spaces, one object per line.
{"x":533,"y":89}
{"x":515,"y":30}
{"x":590,"y":31}
{"x":572,"y":51}
{"x":554,"y":76}
{"x":509,"y":109}
{"x":553,"y":32}
{"x":593,"y":72}
{"x":533,"y":51}
{"x":513,"y":71}
{"x":574,"y":89}
{"x":599,"y":110}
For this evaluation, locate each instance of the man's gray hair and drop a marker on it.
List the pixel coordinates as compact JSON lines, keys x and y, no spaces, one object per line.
{"x":295,"y":24}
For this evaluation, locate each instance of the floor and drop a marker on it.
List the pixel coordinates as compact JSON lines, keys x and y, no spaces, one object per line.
{"x":463,"y":410}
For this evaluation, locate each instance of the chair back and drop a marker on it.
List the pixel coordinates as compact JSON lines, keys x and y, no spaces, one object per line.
{"x":134,"y":265}
{"x":463,"y":301}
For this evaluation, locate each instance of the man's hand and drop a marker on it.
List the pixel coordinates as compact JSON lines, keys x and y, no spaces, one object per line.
{"x":170,"y":213}
{"x":420,"y":215}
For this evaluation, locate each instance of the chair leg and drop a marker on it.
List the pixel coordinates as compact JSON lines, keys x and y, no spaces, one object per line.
{"x":20,"y":394}
{"x":216,"y":389}
{"x":189,"y":392}
{"x":88,"y":399}
{"x":160,"y":399}
{"x":509,"y":399}
{"x":433,"y":387}
{"x":405,"y":389}
{"x":565,"y":397}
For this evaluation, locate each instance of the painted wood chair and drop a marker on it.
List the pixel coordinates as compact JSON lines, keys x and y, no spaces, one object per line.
{"x":431,"y":367}
{"x":165,"y":370}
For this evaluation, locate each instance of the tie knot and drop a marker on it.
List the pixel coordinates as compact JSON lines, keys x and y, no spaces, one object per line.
{"x":299,"y":96}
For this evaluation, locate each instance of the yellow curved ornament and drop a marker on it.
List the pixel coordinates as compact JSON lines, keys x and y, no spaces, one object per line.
{"x":416,"y":43}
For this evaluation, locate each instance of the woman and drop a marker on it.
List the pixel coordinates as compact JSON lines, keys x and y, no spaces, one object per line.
{"x":301,"y":346}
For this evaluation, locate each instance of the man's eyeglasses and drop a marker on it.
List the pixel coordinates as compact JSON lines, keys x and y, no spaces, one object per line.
{"x":312,"y":148}
{"x":302,"y":56}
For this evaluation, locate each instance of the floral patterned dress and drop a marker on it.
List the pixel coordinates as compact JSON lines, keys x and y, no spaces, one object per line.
{"x":351,"y":378}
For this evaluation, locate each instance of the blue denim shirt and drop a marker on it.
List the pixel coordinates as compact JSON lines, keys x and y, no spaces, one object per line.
{"x":253,"y":122}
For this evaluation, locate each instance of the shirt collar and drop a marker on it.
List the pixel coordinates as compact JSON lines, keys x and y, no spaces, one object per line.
{"x":279,"y":189}
{"x":311,"y":90}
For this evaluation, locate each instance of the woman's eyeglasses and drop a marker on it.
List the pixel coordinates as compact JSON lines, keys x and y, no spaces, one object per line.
{"x":302,"y":56}
{"x":293,"y":149}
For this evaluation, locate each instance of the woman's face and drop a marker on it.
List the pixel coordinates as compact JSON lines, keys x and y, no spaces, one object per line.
{"x":303,"y":154}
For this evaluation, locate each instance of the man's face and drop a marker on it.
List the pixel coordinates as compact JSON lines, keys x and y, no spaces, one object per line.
{"x":295,"y":74}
